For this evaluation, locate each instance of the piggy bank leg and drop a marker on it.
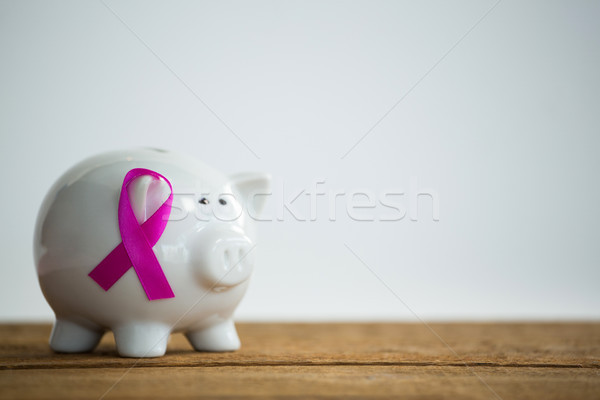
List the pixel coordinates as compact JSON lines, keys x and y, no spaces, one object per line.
{"x":219,"y":337}
{"x":142,"y":339}
{"x":70,"y":337}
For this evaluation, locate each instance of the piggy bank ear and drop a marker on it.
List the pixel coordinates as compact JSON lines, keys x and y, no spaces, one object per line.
{"x":254,"y":189}
{"x":147,"y":194}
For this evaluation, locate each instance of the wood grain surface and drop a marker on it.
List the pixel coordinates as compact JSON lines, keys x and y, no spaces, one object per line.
{"x":441,"y":360}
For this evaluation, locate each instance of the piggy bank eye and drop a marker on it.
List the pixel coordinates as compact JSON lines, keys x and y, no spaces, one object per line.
{"x":222,"y":202}
{"x":203,"y":200}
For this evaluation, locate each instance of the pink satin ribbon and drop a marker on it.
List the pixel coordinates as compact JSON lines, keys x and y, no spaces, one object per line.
{"x":136,"y":246}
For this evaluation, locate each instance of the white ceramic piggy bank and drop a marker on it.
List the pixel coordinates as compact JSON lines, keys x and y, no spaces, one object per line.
{"x":144,"y":243}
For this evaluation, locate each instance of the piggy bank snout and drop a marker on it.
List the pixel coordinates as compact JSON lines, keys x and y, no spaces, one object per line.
{"x":228,"y":261}
{"x":235,"y":252}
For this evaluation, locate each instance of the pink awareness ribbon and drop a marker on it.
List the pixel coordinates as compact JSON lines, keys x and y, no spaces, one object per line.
{"x":136,"y":246}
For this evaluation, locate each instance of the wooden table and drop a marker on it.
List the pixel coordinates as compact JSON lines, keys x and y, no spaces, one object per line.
{"x":450,"y":360}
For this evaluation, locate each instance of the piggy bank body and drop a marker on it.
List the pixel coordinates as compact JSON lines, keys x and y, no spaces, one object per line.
{"x":205,"y":252}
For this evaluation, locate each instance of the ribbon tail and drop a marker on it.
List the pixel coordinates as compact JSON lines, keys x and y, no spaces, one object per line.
{"x":146,"y":265}
{"x":153,"y":280}
{"x":112,"y":268}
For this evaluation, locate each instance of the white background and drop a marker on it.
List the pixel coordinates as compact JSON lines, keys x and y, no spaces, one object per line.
{"x":497,"y":117}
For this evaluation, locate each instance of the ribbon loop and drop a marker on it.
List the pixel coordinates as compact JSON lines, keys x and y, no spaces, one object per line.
{"x":136,"y":246}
